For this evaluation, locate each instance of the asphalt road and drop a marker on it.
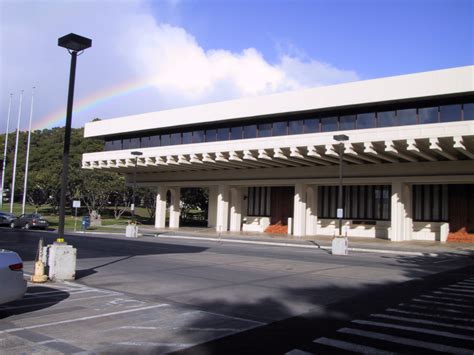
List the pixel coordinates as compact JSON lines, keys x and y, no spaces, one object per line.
{"x":154,"y":295}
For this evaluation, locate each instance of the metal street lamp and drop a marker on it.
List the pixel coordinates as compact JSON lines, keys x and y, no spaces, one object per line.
{"x":75,"y":44}
{"x":136,"y":154}
{"x":341,"y":138}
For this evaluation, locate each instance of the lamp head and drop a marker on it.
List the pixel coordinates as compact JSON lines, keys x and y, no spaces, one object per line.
{"x":341,"y":137}
{"x":74,"y":42}
{"x":136,"y":153}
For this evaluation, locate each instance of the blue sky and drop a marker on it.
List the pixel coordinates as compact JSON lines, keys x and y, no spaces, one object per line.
{"x":192,"y":52}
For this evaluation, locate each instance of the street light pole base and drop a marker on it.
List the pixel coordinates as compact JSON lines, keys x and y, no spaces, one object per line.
{"x":340,"y":245}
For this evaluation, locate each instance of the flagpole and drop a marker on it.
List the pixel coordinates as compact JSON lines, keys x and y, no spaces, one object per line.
{"x":4,"y":164}
{"x":16,"y":154}
{"x":25,"y":186}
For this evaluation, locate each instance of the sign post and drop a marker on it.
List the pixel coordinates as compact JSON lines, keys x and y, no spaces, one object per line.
{"x":76,"y":204}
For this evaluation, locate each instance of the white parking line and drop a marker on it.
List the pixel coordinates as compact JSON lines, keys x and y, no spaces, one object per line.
{"x":344,"y":345}
{"x":83,"y":318}
{"x":405,"y":341}
{"x":414,"y":329}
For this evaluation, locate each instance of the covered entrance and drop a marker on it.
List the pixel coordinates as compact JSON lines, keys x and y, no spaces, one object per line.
{"x":461,"y":213}
{"x":281,"y":208}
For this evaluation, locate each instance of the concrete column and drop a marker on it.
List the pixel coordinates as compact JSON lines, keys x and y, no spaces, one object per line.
{"x":401,"y":224}
{"x":222,"y":219}
{"x":174,"y":206}
{"x":235,"y":209}
{"x":299,"y":211}
{"x":212,"y":207}
{"x":160,"y":214}
{"x":311,"y":210}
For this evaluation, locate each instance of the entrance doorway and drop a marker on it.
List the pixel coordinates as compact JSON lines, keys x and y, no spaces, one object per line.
{"x":281,"y":208}
{"x":461,"y":208}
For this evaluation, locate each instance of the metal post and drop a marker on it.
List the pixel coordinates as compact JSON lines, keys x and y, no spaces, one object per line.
{"x":25,"y":186}
{"x":67,"y":139}
{"x":4,"y":164}
{"x":339,"y":195}
{"x":12,"y":195}
{"x":134,"y":187}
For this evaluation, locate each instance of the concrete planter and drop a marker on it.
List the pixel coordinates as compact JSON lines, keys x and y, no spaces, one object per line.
{"x":340,"y":246}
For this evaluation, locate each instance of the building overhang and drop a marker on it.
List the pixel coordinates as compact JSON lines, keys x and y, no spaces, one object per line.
{"x":432,"y":85}
{"x":418,"y":143}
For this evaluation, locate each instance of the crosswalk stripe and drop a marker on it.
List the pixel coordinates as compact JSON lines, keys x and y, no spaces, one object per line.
{"x":447,"y":310}
{"x":344,"y":345}
{"x":463,"y":285}
{"x":414,"y":329}
{"x":422,"y":321}
{"x":443,"y":303}
{"x":443,"y":298}
{"x":456,"y":290}
{"x":297,"y":352}
{"x":453,"y":294}
{"x":429,"y":315}
{"x":404,"y":341}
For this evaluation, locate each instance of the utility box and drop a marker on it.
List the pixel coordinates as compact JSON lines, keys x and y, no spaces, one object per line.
{"x":61,"y":262}
{"x":131,"y":231}
{"x":340,"y":246}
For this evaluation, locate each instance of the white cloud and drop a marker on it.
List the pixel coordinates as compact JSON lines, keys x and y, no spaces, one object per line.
{"x":129,"y":44}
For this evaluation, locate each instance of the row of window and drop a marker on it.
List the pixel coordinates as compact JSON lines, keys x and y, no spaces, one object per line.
{"x":411,"y":116}
{"x":363,"y":202}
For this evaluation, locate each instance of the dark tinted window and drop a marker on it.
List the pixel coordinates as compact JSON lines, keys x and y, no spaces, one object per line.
{"x":328,"y":124}
{"x":250,"y":131}
{"x":407,"y":117}
{"x":311,"y":125}
{"x":211,"y":135}
{"x":222,"y":134}
{"x":386,"y":119}
{"x":295,"y":127}
{"x":145,"y":142}
{"x":428,"y":115}
{"x":450,"y":113}
{"x":155,"y":141}
{"x":265,"y":130}
{"x":468,"y":112}
{"x":236,"y":133}
{"x":126,"y":143}
{"x":135,"y":143}
{"x":187,"y":137}
{"x":165,"y":139}
{"x":108,"y":145}
{"x":366,"y":120}
{"x":347,"y":122}
{"x":198,"y":136}
{"x":280,"y":128}
{"x":176,"y":138}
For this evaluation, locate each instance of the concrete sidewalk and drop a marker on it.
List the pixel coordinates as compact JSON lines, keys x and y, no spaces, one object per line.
{"x":428,"y":248}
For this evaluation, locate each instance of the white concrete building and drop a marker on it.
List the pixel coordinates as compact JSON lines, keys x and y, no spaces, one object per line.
{"x":273,"y":160}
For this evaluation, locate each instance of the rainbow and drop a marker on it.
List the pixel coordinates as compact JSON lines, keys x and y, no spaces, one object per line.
{"x":58,"y":117}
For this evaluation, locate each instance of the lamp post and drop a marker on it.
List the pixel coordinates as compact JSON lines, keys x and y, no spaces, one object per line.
{"x":341,"y":138}
{"x":75,"y":45}
{"x":136,"y":154}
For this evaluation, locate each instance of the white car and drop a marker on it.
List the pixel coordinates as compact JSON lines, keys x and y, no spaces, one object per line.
{"x":13,"y":285}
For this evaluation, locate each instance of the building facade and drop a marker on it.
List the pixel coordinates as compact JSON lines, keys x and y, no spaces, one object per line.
{"x":271,"y":163}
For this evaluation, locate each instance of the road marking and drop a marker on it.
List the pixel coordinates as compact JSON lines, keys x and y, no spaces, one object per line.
{"x":405,"y":341}
{"x":453,"y":293}
{"x":442,"y":298}
{"x":421,"y":321}
{"x":430,"y":315}
{"x":83,"y":318}
{"x":461,"y":284}
{"x":146,"y":343}
{"x":231,"y":317}
{"x":298,"y":352}
{"x":414,"y":329}
{"x":458,"y":290}
{"x":181,"y":328}
{"x":448,"y":310}
{"x":344,"y":345}
{"x":443,"y":303}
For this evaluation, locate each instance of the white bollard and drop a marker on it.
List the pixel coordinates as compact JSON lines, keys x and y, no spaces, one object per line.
{"x":340,"y":246}
{"x":131,"y":231}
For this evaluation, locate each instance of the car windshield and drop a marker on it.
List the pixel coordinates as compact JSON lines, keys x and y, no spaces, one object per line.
{"x":7,"y":214}
{"x":35,"y":215}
